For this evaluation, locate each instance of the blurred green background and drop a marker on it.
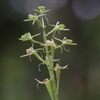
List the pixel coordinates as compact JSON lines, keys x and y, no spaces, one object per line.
{"x":81,"y":81}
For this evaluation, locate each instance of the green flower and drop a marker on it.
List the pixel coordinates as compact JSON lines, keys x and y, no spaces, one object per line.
{"x":26,"y":37}
{"x":68,"y":41}
{"x":58,"y":27}
{"x":65,"y":41}
{"x":31,"y":51}
{"x":57,"y":69}
{"x":41,"y":10}
{"x":34,"y":18}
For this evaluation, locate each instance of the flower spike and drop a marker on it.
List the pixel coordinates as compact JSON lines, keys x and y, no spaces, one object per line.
{"x":49,"y":47}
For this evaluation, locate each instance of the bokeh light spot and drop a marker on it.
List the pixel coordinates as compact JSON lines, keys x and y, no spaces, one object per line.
{"x":86,"y":9}
{"x":26,"y":6}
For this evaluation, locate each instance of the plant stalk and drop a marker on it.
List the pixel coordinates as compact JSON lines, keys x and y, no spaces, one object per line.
{"x":50,"y":62}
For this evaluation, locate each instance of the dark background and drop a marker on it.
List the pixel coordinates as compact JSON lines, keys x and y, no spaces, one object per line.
{"x":81,"y":81}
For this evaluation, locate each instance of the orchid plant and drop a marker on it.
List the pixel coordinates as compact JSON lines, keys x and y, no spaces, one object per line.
{"x":48,"y":47}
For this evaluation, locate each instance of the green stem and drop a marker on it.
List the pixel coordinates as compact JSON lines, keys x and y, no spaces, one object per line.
{"x":36,"y":41}
{"x":44,"y":37}
{"x":55,"y":86}
{"x":50,"y":62}
{"x":50,"y":32}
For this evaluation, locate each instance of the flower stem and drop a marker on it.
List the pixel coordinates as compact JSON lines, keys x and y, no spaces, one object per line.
{"x":50,"y":62}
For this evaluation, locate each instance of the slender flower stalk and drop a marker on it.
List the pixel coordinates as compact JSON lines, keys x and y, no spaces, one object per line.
{"x":49,"y":47}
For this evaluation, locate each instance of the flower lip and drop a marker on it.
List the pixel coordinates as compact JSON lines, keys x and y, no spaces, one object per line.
{"x":29,"y":52}
{"x":49,"y":43}
{"x":41,"y":82}
{"x":60,"y":67}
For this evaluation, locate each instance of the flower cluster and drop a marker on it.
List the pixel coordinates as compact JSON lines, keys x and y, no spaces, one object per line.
{"x":48,"y":47}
